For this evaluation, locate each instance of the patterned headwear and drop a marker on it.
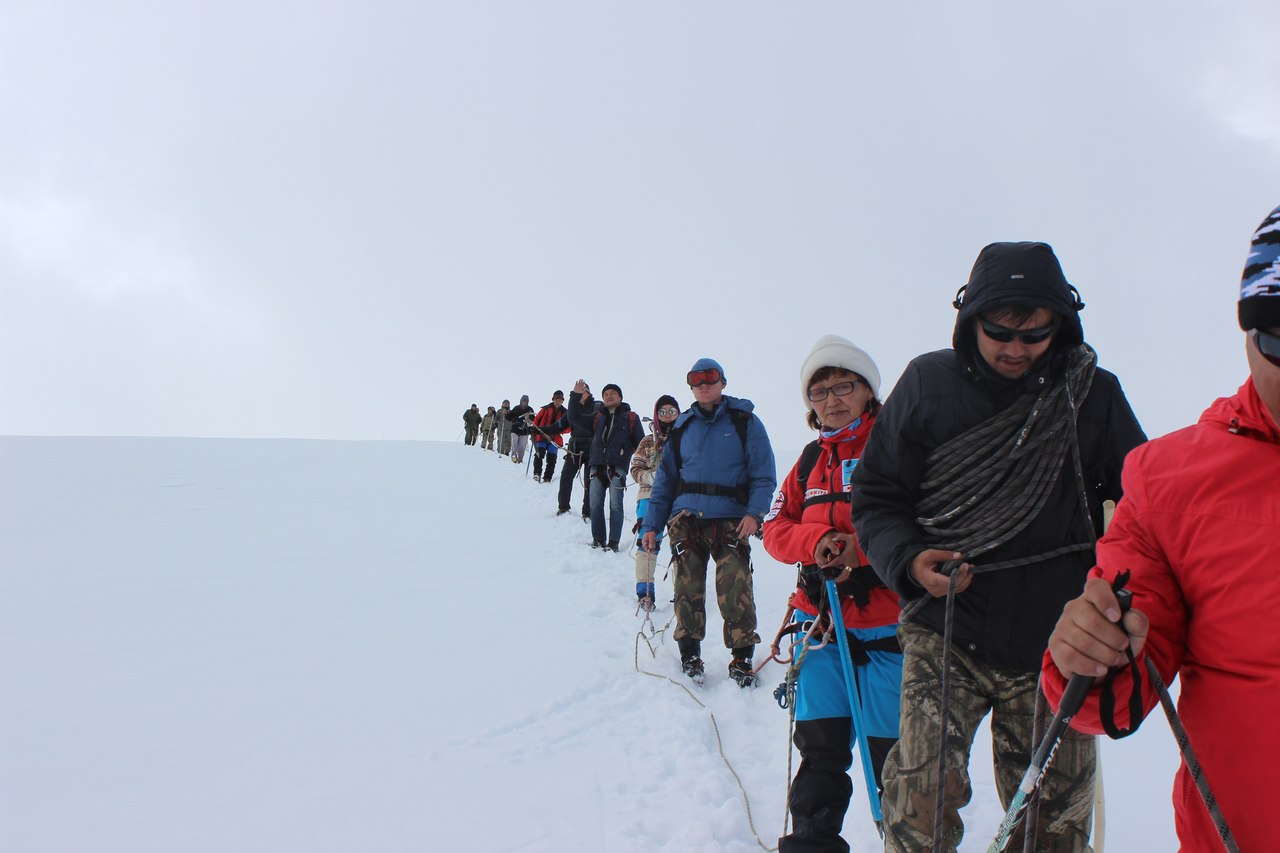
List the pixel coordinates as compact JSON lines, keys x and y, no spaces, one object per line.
{"x":1259,"y":305}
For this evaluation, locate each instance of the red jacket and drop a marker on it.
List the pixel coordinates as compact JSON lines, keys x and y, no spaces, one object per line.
{"x":547,"y":416}
{"x":792,"y":531}
{"x":1199,"y":526}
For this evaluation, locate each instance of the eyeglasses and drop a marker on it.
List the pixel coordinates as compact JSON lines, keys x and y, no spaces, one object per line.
{"x":840,"y":389}
{"x":1030,"y":337}
{"x":668,"y":412}
{"x":710,"y":376}
{"x":1267,"y":344}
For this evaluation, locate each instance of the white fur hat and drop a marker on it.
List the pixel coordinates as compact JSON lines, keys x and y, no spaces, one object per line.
{"x":835,"y":351}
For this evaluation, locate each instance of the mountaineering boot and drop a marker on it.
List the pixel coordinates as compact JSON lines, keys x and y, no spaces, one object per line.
{"x":612,"y":546}
{"x":740,"y":667}
{"x":537,"y":467}
{"x":693,"y":668}
{"x":644,"y":596}
{"x":690,"y":663}
{"x":551,"y":469}
{"x":562,"y":512}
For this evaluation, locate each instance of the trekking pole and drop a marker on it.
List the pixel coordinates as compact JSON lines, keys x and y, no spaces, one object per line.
{"x":1072,"y":699}
{"x":1191,"y":761}
{"x":855,"y":705}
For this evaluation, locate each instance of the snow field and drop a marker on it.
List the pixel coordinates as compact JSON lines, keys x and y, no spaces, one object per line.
{"x":250,"y":645}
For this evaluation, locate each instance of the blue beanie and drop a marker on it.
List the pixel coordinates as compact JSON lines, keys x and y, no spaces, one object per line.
{"x":1259,"y":305}
{"x":707,"y":364}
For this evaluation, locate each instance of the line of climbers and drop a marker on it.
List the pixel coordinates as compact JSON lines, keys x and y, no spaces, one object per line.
{"x":962,"y":514}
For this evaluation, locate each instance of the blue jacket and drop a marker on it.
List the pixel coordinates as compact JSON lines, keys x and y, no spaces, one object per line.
{"x":613,"y":438}
{"x":711,"y":452}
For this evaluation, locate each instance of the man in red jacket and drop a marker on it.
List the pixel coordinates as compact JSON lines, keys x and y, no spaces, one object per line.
{"x":1198,"y":527}
{"x":547,"y":441}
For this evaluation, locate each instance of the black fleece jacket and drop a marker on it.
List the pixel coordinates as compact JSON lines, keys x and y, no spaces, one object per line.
{"x":1004,"y":618}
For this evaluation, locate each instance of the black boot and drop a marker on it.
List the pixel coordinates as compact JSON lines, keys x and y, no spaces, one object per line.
{"x":551,"y":469}
{"x":740,"y":667}
{"x":690,"y":663}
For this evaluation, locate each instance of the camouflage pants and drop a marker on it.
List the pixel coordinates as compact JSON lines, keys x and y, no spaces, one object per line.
{"x":911,"y":771}
{"x":693,"y":542}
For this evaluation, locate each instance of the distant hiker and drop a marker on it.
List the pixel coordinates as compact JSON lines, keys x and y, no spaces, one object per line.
{"x":577,"y":455}
{"x":521,"y":419}
{"x":644,"y":467}
{"x":504,"y":428}
{"x":615,"y":434}
{"x":471,"y":418}
{"x":714,"y":484}
{"x":809,"y":525}
{"x":978,"y":459}
{"x":547,"y":439}
{"x":488,"y":425}
{"x":1198,"y":528}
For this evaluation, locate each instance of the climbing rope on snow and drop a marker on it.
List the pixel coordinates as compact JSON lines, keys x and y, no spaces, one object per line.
{"x":714,"y":725}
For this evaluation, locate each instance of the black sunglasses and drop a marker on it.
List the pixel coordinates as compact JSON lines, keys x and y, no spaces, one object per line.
{"x":1003,"y":334}
{"x":1267,"y":344}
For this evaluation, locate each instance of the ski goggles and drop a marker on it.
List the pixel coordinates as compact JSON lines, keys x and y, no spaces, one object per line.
{"x":1267,"y":344}
{"x":1003,"y":334}
{"x":840,"y":389}
{"x":668,"y":412}
{"x":710,"y":376}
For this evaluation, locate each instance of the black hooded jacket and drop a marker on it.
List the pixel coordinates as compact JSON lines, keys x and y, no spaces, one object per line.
{"x":1004,"y":618}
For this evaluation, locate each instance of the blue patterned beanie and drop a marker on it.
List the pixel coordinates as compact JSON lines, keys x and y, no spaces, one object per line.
{"x":1260,"y":284}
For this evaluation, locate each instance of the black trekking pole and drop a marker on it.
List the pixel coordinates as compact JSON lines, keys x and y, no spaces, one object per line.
{"x":1072,"y":699}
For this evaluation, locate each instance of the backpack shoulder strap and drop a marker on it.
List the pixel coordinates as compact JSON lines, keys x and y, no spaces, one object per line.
{"x":673,"y":443}
{"x":741,"y":420}
{"x":808,"y":458}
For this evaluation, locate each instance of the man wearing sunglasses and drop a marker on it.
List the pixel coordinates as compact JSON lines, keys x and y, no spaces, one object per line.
{"x":1198,"y":529}
{"x":987,"y":470}
{"x":714,"y":484}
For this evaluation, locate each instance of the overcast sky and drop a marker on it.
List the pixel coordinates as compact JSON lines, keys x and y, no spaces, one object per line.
{"x":352,"y":220}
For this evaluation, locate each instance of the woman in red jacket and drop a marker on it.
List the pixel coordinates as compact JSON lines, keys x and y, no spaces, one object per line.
{"x":809,"y":525}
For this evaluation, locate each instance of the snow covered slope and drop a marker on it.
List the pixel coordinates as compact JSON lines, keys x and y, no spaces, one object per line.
{"x":232,"y":645}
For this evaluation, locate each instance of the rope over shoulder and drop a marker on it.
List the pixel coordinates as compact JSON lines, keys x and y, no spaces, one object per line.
{"x":986,"y":485}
